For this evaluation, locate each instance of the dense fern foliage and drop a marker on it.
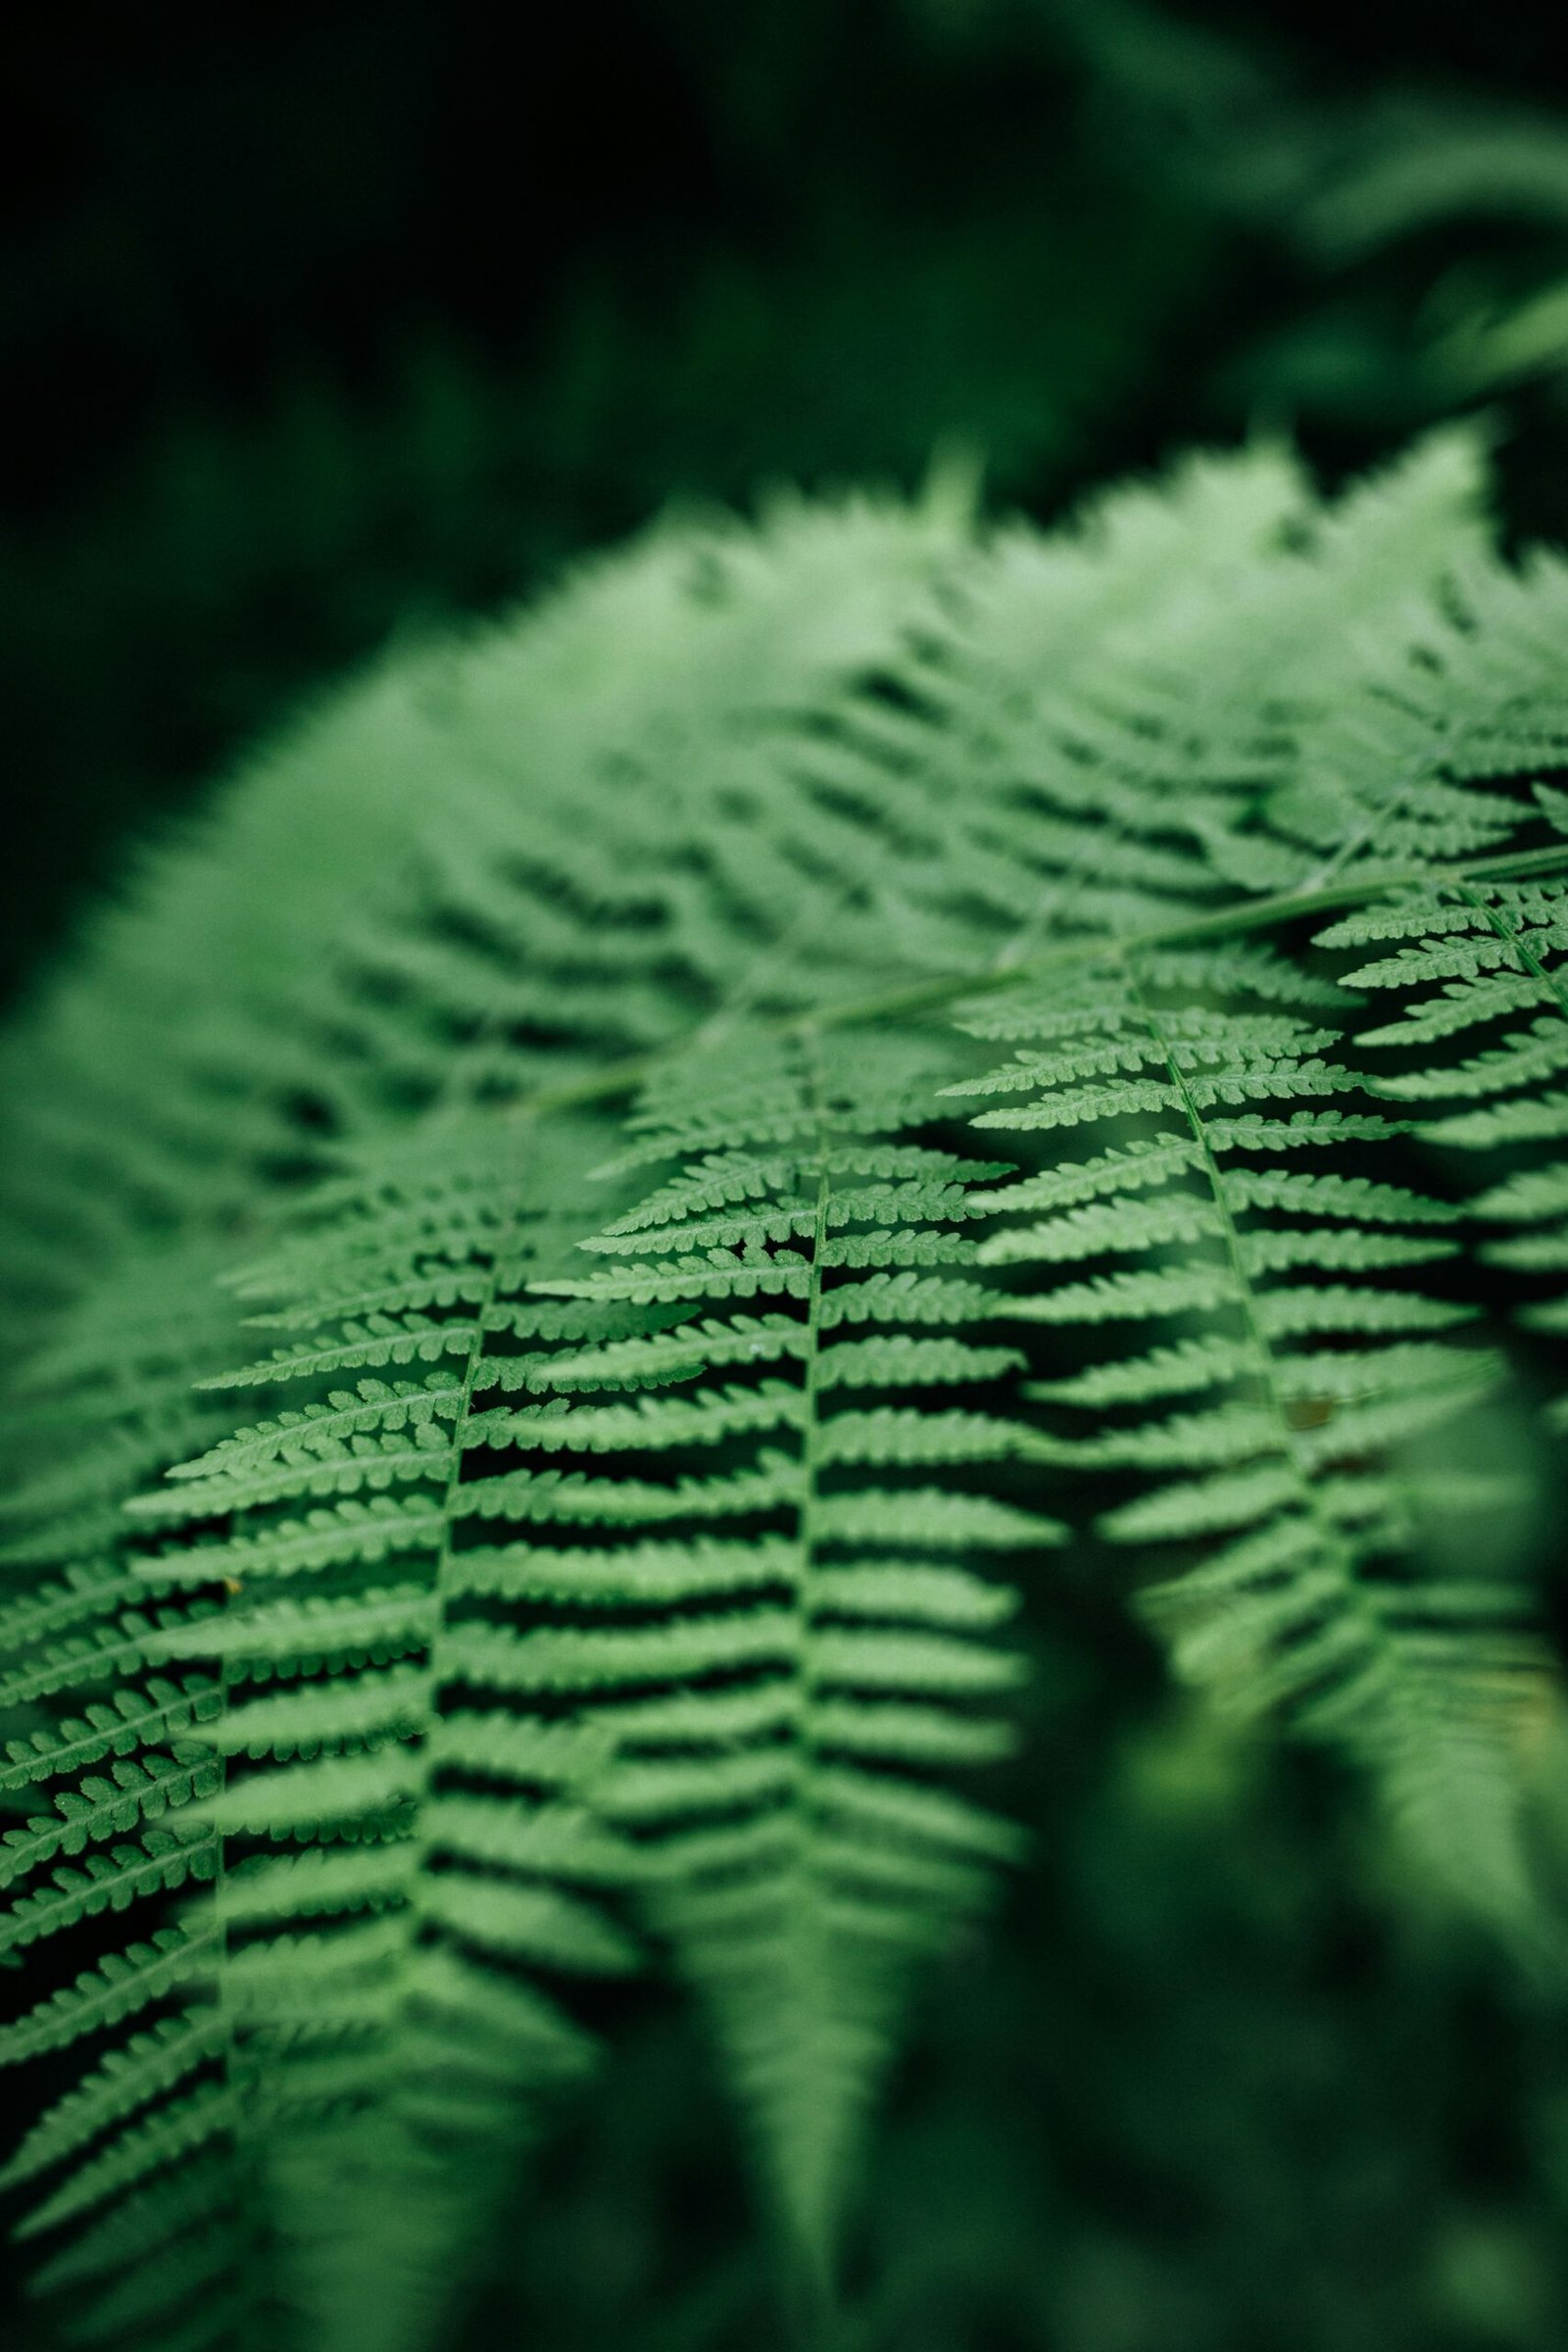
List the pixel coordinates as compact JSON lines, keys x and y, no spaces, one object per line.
{"x":638,"y":1183}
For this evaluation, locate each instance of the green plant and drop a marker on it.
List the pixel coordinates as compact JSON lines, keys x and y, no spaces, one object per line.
{"x":575,"y":1052}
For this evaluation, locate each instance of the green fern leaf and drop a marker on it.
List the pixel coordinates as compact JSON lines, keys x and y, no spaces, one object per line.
{"x":740,"y":1840}
{"x":1297,"y":1475}
{"x":1512,"y":935}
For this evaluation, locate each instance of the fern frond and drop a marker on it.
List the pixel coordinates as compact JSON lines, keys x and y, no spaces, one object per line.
{"x":1293,"y":1481}
{"x":794,"y":1862}
{"x":1495,"y":952}
{"x":338,"y":1818}
{"x":383,"y":1657}
{"x":105,"y":1403}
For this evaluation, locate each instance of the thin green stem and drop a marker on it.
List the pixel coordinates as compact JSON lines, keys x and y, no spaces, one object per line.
{"x":1259,"y":1345}
{"x":1523,"y":952}
{"x":441,"y":1575}
{"x":811,"y":2312}
{"x":1288,"y":1447}
{"x":1223,"y":922}
{"x":810,"y":1447}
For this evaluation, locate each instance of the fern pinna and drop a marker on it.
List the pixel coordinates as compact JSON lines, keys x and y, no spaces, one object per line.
{"x":449,"y":1573}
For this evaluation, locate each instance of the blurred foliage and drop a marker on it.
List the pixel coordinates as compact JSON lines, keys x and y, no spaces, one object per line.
{"x":1413,"y":231}
{"x":1194,"y":2091}
{"x":241,"y":559}
{"x":889,"y":258}
{"x":323,"y":322}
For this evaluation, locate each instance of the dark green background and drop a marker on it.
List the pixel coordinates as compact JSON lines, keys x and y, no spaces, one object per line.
{"x":319,"y":318}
